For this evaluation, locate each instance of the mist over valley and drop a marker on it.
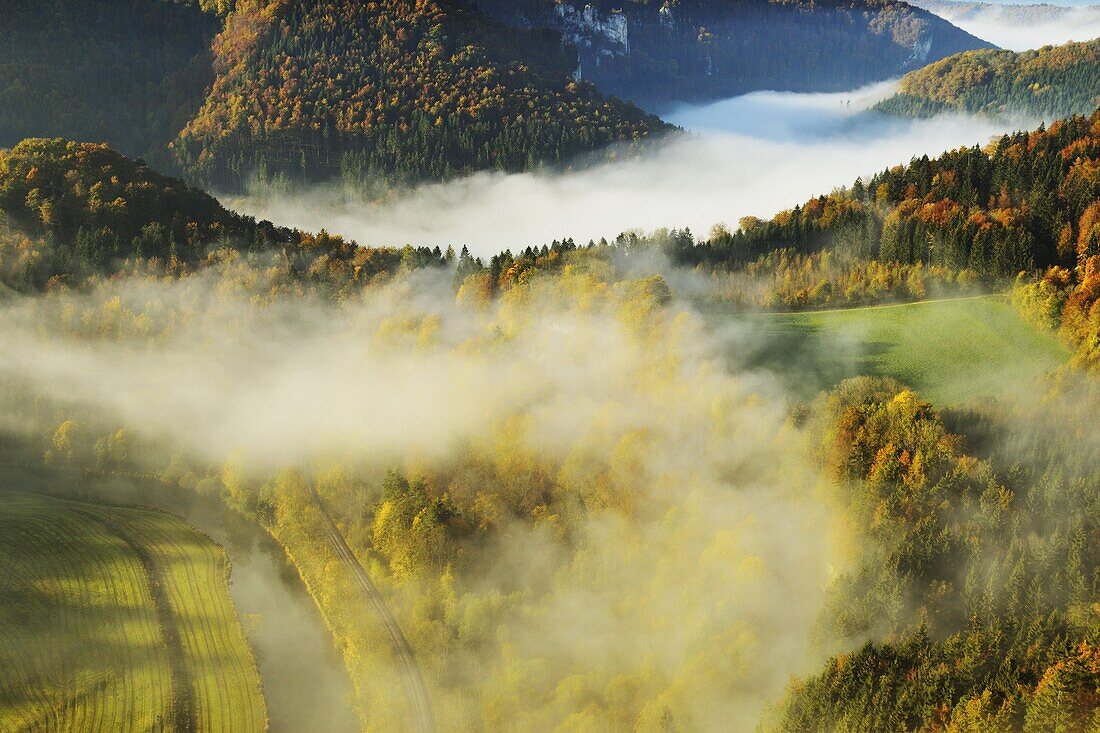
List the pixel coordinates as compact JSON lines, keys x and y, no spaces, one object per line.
{"x":752,"y":155}
{"x":484,"y":366}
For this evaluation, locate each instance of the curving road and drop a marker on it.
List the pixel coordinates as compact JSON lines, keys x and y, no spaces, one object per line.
{"x":419,"y":700}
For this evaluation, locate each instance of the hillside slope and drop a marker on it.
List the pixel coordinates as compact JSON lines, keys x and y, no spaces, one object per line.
{"x":222,"y":91}
{"x":658,"y":54}
{"x":971,"y":603}
{"x":1049,"y":83}
{"x":399,"y":89}
{"x":396,"y":89}
{"x":67,"y":208}
{"x":1026,"y":201}
{"x":72,"y":212}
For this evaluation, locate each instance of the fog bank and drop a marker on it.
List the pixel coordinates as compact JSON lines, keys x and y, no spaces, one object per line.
{"x":752,"y":155}
{"x":698,"y":548}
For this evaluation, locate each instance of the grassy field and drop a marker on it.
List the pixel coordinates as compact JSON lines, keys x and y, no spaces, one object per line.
{"x":117,"y":619}
{"x":953,"y":352}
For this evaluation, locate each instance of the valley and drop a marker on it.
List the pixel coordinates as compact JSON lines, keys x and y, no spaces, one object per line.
{"x":522,"y":367}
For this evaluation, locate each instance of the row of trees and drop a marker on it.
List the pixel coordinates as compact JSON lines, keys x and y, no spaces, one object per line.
{"x":1026,"y":202}
{"x":1068,"y":304}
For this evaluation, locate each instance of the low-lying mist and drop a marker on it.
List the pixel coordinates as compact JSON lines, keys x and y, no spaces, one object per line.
{"x":752,"y":155}
{"x":588,"y":506}
{"x":655,"y":551}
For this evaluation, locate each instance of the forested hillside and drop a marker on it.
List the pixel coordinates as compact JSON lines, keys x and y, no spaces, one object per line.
{"x":392,"y":89}
{"x":1049,"y":83}
{"x":658,"y":54}
{"x":310,"y":90}
{"x":1027,"y":203}
{"x":72,"y":211}
{"x":404,"y":91}
{"x":1017,"y":204}
{"x":1024,"y":203}
{"x":977,"y":573}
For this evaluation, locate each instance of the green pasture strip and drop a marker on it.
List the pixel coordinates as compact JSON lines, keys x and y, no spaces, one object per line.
{"x":954,"y":352}
{"x":117,"y":619}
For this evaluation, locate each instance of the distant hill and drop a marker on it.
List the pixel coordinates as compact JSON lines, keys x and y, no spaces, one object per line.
{"x":1049,"y":83}
{"x":1026,"y":201}
{"x":398,"y":89}
{"x":659,"y":54}
{"x":220,"y":91}
{"x":71,"y":211}
{"x":68,"y":209}
{"x":392,"y":88}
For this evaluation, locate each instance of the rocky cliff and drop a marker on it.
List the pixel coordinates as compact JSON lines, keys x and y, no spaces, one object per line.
{"x":660,"y":53}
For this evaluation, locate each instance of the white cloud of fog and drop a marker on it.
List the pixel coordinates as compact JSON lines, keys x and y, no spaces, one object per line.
{"x":790,"y":116}
{"x":752,"y":155}
{"x":298,"y":381}
{"x":703,"y":595}
{"x":1021,"y":27}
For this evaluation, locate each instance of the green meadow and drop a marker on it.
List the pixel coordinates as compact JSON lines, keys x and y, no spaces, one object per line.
{"x":953,"y":352}
{"x":117,"y":619}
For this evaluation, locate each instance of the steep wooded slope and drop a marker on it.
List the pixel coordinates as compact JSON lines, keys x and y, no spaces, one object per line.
{"x":393,"y":88}
{"x":306,"y":88}
{"x":130,"y":72}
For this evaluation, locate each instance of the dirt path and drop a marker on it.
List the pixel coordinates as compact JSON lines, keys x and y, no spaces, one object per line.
{"x":419,"y":699}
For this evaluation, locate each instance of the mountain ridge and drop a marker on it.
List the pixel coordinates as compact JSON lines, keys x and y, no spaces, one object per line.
{"x":683,"y":51}
{"x":225,"y":91}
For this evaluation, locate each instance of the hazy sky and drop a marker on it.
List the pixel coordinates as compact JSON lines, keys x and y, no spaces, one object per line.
{"x":1019,"y":31}
{"x":756,"y":154}
{"x":1062,"y":3}
{"x":1057,"y":3}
